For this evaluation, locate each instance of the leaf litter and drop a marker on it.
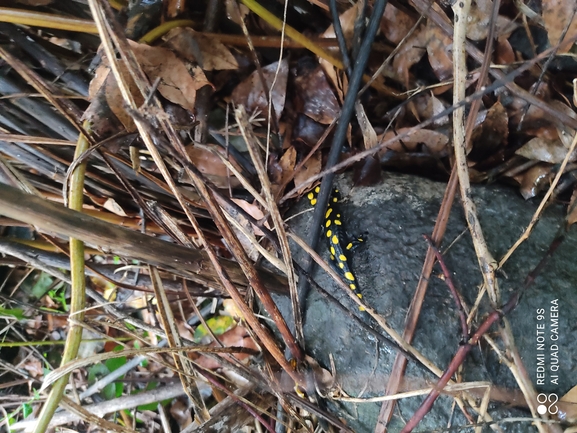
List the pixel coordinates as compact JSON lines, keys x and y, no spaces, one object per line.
{"x":521,"y":141}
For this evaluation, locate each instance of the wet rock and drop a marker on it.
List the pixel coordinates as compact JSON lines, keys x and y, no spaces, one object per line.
{"x":395,"y":216}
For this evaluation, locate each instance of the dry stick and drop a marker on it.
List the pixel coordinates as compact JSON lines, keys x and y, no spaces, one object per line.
{"x":452,"y":288}
{"x":101,"y":409}
{"x":214,"y":209}
{"x":254,"y":150}
{"x":486,"y":261}
{"x":182,"y":363}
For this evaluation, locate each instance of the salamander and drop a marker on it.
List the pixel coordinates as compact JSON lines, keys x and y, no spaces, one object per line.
{"x":337,"y":243}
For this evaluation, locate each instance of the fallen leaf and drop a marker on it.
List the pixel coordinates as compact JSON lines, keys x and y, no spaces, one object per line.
{"x":116,"y":101}
{"x":287,"y":164}
{"x":211,"y":165}
{"x":209,"y":53}
{"x":439,"y":51}
{"x":318,"y":100}
{"x":541,"y":149}
{"x":434,"y":141}
{"x":568,"y":406}
{"x":396,"y":24}
{"x":251,"y":94}
{"x":557,"y":14}
{"x":491,"y":133}
{"x":178,"y":83}
{"x":369,"y":134}
{"x":504,"y":54}
{"x":253,"y":210}
{"x":410,"y":54}
{"x":533,"y":180}
{"x":310,"y":168}
{"x":479,"y":21}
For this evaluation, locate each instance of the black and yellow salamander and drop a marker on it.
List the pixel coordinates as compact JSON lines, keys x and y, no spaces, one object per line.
{"x":334,"y":233}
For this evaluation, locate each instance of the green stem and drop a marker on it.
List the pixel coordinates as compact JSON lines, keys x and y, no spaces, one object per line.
{"x":78,"y":288}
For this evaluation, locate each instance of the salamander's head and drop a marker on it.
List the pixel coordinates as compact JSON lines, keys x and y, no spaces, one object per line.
{"x":313,"y":196}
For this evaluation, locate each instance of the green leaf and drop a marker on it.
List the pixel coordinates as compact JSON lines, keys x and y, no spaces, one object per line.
{"x":18,"y":313}
{"x":219,"y":325}
{"x":42,"y":284}
{"x":27,"y":409}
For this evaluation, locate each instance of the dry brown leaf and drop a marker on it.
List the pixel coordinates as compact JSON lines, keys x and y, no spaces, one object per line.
{"x":369,"y":134}
{"x":565,"y":133}
{"x":568,"y":406}
{"x":504,"y":54}
{"x":287,"y":165}
{"x":439,"y":50}
{"x":434,"y":141}
{"x":178,"y":83}
{"x":396,"y":24}
{"x":251,"y":94}
{"x":557,"y":15}
{"x":100,"y":75}
{"x":533,"y":180}
{"x":311,"y":168}
{"x":211,"y":166}
{"x":116,"y":101}
{"x":319,"y":101}
{"x":347,"y":19}
{"x":479,"y":21}
{"x":541,"y":149}
{"x":410,"y":53}
{"x":490,"y":133}
{"x":232,"y":11}
{"x":254,"y":211}
{"x":427,"y":106}
{"x":237,"y":336}
{"x":209,"y":53}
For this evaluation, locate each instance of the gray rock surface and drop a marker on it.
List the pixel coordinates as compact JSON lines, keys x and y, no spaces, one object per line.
{"x":395,"y":215}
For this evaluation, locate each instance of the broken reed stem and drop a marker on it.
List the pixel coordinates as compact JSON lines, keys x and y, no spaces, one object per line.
{"x":486,"y":260}
{"x":78,"y":291}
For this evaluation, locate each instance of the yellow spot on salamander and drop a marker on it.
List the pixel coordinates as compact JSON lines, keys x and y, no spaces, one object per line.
{"x":335,"y":240}
{"x":349,"y":276}
{"x":335,"y":199}
{"x":328,"y":223}
{"x":359,"y":296}
{"x":338,"y":222}
{"x":352,"y":286}
{"x":349,"y":246}
{"x":314,"y":201}
{"x":342,"y":258}
{"x":328,"y":214}
{"x":333,"y":252}
{"x":310,"y":196}
{"x":318,"y":189}
{"x":329,"y":233}
{"x":332,"y":257}
{"x":341,"y":265}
